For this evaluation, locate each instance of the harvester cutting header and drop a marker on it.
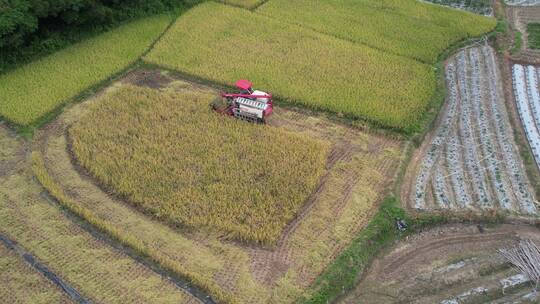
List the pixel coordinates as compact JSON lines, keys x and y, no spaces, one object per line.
{"x":248,"y":104}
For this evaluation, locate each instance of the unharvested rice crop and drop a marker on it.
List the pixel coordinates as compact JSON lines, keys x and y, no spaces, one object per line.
{"x":410,"y":28}
{"x":297,"y":64}
{"x":32,"y":91}
{"x":177,"y":159}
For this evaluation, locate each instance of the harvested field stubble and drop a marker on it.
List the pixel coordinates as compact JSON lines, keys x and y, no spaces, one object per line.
{"x":385,"y":25}
{"x":298,"y":64}
{"x":98,"y":271}
{"x":35,"y":89}
{"x":20,"y":283}
{"x":190,"y":166}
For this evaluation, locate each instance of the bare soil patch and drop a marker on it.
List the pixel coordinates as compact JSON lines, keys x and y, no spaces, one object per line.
{"x":453,"y":262}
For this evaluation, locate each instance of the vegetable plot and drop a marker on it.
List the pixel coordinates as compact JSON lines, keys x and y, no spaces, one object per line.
{"x":32,"y":91}
{"x":472,"y":161}
{"x":527,"y":94}
{"x":409,"y":28}
{"x":299,"y":65}
{"x":192,"y":167}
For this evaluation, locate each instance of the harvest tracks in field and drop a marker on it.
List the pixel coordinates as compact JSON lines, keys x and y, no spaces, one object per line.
{"x":470,"y":161}
{"x":100,"y":272}
{"x":360,"y":169}
{"x":42,"y":269}
{"x":21,"y":283}
{"x":449,"y":265}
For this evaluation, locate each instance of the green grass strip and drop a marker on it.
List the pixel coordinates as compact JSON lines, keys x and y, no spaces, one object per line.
{"x":342,"y":274}
{"x":35,"y":89}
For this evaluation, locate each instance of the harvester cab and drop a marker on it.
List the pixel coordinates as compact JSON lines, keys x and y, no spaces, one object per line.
{"x":248,"y":104}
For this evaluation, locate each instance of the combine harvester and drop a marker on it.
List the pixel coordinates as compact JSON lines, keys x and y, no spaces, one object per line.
{"x":251,"y":105}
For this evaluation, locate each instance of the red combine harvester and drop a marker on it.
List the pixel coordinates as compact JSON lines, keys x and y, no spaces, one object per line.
{"x":248,"y":104}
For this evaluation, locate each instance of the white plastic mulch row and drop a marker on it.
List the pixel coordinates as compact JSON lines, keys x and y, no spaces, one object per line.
{"x":472,"y":162}
{"x":528,"y":104}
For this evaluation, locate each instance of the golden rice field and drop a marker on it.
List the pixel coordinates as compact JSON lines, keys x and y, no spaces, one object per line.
{"x":297,"y":64}
{"x":408,"y":27}
{"x":359,"y":172}
{"x":180,"y":161}
{"x":33,"y":90}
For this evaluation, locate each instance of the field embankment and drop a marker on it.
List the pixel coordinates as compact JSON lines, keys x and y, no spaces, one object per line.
{"x":99,"y":271}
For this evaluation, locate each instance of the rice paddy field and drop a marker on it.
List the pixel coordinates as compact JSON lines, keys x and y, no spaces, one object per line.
{"x":98,"y":271}
{"x":34,"y":90}
{"x":139,"y":193}
{"x":191,"y":167}
{"x":384,"y":25}
{"x":349,"y":78}
{"x":358,"y":171}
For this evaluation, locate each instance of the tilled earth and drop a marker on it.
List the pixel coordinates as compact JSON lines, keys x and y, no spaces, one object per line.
{"x":449,"y":264}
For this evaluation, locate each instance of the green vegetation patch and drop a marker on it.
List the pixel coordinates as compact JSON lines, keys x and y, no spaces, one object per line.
{"x":243,"y":3}
{"x":409,"y":28}
{"x":299,"y":65}
{"x":342,"y":274}
{"x":182,"y":162}
{"x":533,"y":35}
{"x":35,"y":89}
